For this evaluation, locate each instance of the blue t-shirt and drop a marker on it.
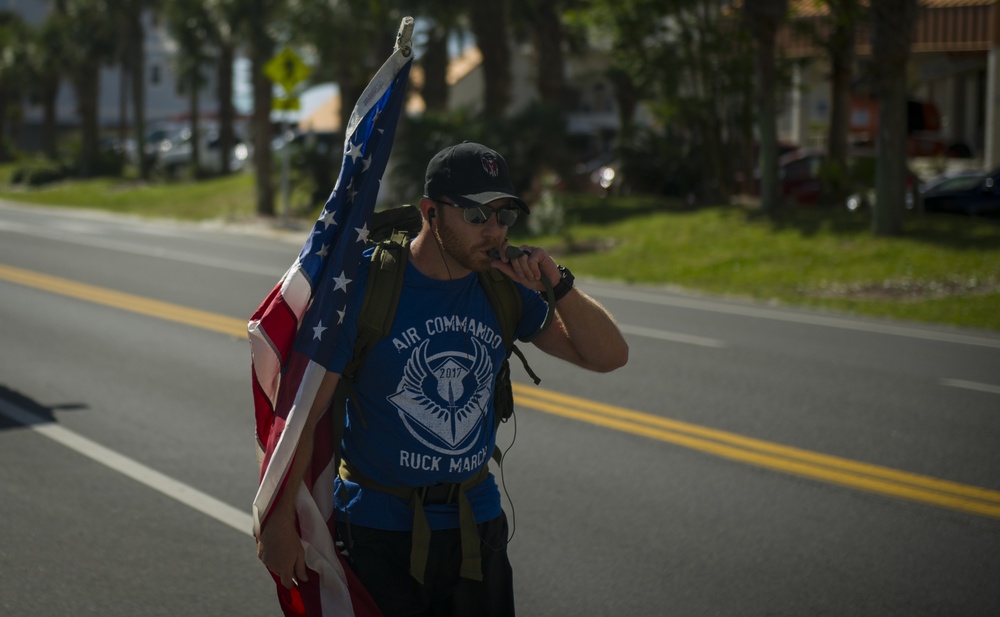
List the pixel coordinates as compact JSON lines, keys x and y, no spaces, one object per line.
{"x":426,"y":399}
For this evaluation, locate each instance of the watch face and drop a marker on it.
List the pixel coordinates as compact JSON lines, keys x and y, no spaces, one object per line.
{"x":566,"y":275}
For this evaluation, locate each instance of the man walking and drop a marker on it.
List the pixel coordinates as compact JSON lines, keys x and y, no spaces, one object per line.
{"x":417,"y":509}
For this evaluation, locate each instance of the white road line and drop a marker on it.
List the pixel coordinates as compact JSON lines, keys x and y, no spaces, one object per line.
{"x":138,"y":249}
{"x":674,"y":337}
{"x":187,"y":495}
{"x":789,"y":316}
{"x":971,"y":385}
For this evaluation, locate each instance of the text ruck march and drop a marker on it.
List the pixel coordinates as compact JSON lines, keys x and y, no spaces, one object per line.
{"x":285,"y":334}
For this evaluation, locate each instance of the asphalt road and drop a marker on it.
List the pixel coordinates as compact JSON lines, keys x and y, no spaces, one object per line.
{"x":750,"y":460}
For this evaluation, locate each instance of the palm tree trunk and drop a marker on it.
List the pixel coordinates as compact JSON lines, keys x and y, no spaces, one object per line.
{"x":50,"y":92}
{"x":87,"y":85}
{"x":892,"y":30}
{"x":770,"y":192}
{"x":840,"y":97}
{"x":259,"y":55}
{"x":435,"y":64}
{"x":195,"y":129}
{"x":227,"y":136}
{"x":4,"y":155}
{"x":123,"y":101}
{"x":489,"y":25}
{"x":548,"y":41}
{"x":764,"y":18}
{"x":138,"y":66}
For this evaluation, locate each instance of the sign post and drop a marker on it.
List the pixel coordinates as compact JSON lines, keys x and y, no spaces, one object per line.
{"x":287,"y":70}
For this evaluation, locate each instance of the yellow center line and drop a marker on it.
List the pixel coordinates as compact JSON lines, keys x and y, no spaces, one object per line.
{"x":749,"y":443}
{"x":785,"y":459}
{"x":835,"y":470}
{"x":125,"y":301}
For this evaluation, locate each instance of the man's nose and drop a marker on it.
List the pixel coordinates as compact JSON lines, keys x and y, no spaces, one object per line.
{"x":493,"y":226}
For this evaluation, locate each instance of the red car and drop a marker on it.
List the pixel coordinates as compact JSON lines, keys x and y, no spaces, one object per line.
{"x":800,"y":181}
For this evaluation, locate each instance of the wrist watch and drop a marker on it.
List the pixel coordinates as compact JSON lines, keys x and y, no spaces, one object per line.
{"x":565,"y":283}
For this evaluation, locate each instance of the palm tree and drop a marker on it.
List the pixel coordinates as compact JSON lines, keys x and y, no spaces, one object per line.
{"x":350,"y":40}
{"x":189,"y":24}
{"x":445,"y":17}
{"x":835,"y":34}
{"x":48,"y":58}
{"x":225,"y":20}
{"x":845,"y":16}
{"x":14,"y":76}
{"x":132,"y":37}
{"x":543,"y":20}
{"x":892,"y":34}
{"x":259,"y":36}
{"x":90,"y":42}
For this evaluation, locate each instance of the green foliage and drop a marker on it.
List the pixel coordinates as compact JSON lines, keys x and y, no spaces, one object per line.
{"x":38,"y":172}
{"x":945,"y":269}
{"x":691,"y":63}
{"x":532,"y":142}
{"x":313,"y":167}
{"x":110,"y":160}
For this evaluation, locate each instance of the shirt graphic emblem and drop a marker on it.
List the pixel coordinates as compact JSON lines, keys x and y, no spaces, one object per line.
{"x":442,"y":399}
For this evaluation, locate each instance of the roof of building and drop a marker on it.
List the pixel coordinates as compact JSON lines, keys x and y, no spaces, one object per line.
{"x":817,"y":8}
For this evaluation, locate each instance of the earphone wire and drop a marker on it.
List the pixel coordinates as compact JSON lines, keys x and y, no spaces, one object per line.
{"x":482,"y":412}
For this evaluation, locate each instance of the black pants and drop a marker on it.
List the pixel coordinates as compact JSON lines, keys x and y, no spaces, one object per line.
{"x":381,"y":559}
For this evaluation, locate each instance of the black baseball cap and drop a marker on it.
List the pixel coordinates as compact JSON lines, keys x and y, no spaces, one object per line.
{"x":471,"y":175}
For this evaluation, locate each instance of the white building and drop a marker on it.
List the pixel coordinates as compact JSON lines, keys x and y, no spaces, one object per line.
{"x":162,"y":100}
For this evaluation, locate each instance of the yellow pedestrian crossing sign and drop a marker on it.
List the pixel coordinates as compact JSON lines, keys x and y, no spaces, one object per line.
{"x":286,"y":69}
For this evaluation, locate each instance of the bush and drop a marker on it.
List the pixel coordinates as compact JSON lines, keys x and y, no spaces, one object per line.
{"x":110,"y":162}
{"x":38,"y":172}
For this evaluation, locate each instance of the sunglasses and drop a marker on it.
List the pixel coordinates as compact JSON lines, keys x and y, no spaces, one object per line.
{"x":480,"y":215}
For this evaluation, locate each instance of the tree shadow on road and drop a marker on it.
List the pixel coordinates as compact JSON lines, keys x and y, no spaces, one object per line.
{"x":31,"y":409}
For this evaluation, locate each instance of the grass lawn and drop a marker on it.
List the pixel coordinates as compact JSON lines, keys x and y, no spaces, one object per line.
{"x":228,"y":198}
{"x":943,"y":269}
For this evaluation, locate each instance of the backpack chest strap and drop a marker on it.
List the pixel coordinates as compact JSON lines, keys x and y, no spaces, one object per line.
{"x":416,"y":497}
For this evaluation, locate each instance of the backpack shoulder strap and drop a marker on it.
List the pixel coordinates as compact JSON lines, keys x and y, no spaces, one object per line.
{"x":378,"y":311}
{"x":506,"y":303}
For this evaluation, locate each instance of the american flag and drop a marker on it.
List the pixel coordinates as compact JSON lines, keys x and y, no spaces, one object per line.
{"x":292,"y":330}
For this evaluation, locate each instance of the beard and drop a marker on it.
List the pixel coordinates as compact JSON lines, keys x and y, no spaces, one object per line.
{"x":468,"y":253}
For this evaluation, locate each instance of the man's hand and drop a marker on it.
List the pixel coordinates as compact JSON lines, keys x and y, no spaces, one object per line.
{"x":280,"y":548}
{"x":529,"y":268}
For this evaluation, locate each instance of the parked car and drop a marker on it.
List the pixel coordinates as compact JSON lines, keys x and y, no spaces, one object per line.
{"x":175,"y":152}
{"x":974,"y":195}
{"x":958,"y":179}
{"x":156,"y":132}
{"x":800,"y":178}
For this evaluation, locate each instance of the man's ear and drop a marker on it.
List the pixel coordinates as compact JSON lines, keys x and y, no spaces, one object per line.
{"x":428,"y":210}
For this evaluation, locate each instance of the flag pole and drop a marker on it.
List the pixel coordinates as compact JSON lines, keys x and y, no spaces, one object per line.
{"x":404,"y":36}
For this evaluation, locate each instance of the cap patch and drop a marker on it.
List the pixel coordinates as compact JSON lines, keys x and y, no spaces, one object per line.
{"x":490,"y":164}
